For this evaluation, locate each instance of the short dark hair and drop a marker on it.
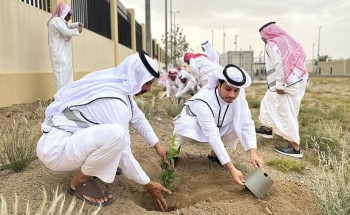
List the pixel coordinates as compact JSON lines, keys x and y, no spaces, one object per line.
{"x":221,"y":81}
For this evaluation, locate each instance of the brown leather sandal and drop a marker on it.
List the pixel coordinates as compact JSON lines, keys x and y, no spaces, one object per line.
{"x":92,"y":189}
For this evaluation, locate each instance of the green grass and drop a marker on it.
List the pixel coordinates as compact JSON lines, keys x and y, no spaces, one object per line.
{"x":253,"y":102}
{"x":284,"y":164}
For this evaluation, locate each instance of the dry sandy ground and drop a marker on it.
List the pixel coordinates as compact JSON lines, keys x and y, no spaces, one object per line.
{"x":202,"y":187}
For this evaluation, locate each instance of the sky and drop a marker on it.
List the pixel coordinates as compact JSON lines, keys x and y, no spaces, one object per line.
{"x":311,"y":22}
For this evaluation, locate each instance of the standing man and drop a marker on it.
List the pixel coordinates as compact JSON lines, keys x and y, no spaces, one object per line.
{"x":220,"y":116}
{"x":210,"y":51}
{"x":60,"y":33}
{"x":201,"y":66}
{"x":86,"y":129}
{"x":287,"y":81}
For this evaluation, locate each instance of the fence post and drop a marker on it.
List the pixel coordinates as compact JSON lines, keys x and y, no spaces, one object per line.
{"x":53,"y":5}
{"x":114,"y":29}
{"x":143,"y":36}
{"x":133,"y":29}
{"x":68,"y":2}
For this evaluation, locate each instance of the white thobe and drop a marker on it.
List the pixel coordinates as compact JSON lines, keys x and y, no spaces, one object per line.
{"x":186,"y":88}
{"x":201,"y":68}
{"x":280,"y":111}
{"x":172,"y":86}
{"x":95,"y":137}
{"x":60,"y":33}
{"x":208,"y":118}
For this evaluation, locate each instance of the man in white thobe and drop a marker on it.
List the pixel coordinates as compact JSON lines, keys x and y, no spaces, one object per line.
{"x":87,"y":129}
{"x":220,"y":116}
{"x":287,"y":81}
{"x":201,"y":66}
{"x":210,"y":51}
{"x":60,"y":33}
{"x":172,"y":83}
{"x":187,"y":84}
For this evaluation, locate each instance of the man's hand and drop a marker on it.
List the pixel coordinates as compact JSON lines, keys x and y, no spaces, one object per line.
{"x":155,"y":189}
{"x":254,"y":158}
{"x":161,"y":152}
{"x":80,"y":27}
{"x":235,"y":173}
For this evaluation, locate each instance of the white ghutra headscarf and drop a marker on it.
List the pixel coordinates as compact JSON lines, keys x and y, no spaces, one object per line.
{"x":61,"y":11}
{"x":232,"y":74}
{"x":210,"y":51}
{"x":127,"y":78}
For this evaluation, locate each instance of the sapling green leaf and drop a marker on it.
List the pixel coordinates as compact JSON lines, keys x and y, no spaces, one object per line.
{"x":168,"y":174}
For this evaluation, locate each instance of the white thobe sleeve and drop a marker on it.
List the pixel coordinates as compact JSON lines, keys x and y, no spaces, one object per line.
{"x":73,"y":25}
{"x":195,"y":69}
{"x":62,"y":27}
{"x":142,"y":126}
{"x":168,"y":88}
{"x":208,"y":125}
{"x":132,"y":169}
{"x":276,"y":59}
{"x":248,"y":135}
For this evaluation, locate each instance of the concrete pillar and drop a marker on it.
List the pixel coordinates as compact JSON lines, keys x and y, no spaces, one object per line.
{"x":114,"y":29}
{"x":143,"y":36}
{"x":68,"y":2}
{"x":53,"y":5}
{"x":148,"y":26}
{"x":133,"y":29}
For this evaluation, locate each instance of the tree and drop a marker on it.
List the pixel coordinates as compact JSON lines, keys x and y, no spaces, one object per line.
{"x":177,"y":40}
{"x":324,"y":58}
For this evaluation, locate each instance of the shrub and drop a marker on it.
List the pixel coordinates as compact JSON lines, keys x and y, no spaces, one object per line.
{"x":155,"y":91}
{"x":147,"y":107}
{"x":332,"y":186}
{"x":173,"y":106}
{"x":18,"y":143}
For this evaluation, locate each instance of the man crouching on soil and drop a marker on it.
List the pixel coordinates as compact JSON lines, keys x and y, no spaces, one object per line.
{"x":219,"y":115}
{"x":87,"y":128}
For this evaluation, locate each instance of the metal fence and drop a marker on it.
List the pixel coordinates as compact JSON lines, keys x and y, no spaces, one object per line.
{"x":124,"y":26}
{"x":95,"y":15}
{"x":138,"y":37}
{"x":41,"y":4}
